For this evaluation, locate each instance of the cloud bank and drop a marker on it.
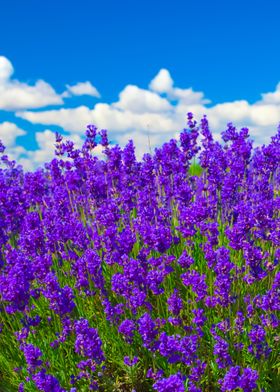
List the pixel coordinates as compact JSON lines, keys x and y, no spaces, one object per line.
{"x":149,"y":116}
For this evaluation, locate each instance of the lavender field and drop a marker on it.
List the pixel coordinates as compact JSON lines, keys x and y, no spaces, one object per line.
{"x":154,"y":275}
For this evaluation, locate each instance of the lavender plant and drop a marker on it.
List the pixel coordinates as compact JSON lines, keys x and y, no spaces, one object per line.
{"x":159,"y":275}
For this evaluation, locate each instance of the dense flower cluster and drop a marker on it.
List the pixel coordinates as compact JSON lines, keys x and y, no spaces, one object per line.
{"x":156,"y":275}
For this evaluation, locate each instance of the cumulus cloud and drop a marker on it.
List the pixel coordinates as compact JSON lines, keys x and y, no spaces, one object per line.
{"x":6,"y":69}
{"x":272,"y":98}
{"x":154,"y":115}
{"x":82,"y":88}
{"x":162,"y":82}
{"x":9,"y":132}
{"x":136,"y":110}
{"x":104,"y":116}
{"x":15,"y":95}
{"x":265,"y":115}
{"x":137,"y":100}
{"x":187,"y":96}
{"x":70,"y":119}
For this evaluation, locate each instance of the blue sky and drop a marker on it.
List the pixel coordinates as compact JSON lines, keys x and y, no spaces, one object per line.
{"x":227,"y":51}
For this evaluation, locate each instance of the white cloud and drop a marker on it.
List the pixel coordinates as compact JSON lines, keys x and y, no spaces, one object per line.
{"x":82,"y":88}
{"x":272,"y":98}
{"x":9,"y":132}
{"x":220,"y":114}
{"x":162,"y":82}
{"x":137,"y":100}
{"x":141,"y":112}
{"x":16,"y":153}
{"x":15,"y":95}
{"x":104,"y":116}
{"x":6,"y":69}
{"x":187,"y":96}
{"x":107,"y":116}
{"x":46,"y":142}
{"x":265,"y":115}
{"x":74,"y":120}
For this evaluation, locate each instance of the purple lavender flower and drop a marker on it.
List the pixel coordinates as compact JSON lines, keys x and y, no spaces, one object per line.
{"x":185,"y":261}
{"x":221,"y":351}
{"x":120,"y":231}
{"x":46,"y":382}
{"x":130,"y":362}
{"x":104,"y":137}
{"x":88,"y":342}
{"x":197,"y":371}
{"x":248,"y":380}
{"x":259,"y":346}
{"x":170,"y":347}
{"x":148,"y":331}
{"x":170,"y":384}
{"x":239,"y":322}
{"x":15,"y":281}
{"x":32,"y":355}
{"x":199,"y":319}
{"x":21,"y":387}
{"x":61,"y":299}
{"x":233,"y":379}
{"x":2,"y":147}
{"x":197,"y":282}
{"x":257,"y":334}
{"x":155,"y":376}
{"x":127,"y":328}
{"x":175,"y":303}
{"x":189,"y":347}
{"x":113,"y":312}
{"x":89,"y":363}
